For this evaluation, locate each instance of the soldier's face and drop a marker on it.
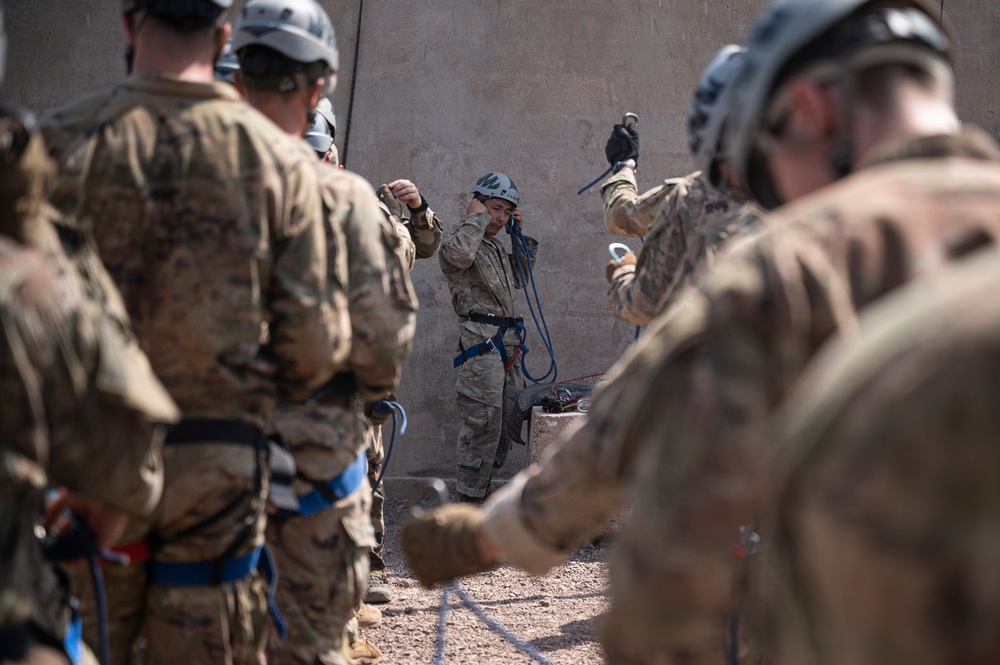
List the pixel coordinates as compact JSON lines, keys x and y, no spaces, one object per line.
{"x":499,"y":211}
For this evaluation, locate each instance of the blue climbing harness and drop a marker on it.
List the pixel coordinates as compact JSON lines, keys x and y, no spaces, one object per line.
{"x":495,"y":343}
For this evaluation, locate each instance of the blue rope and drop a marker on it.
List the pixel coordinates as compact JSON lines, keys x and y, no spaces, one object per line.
{"x":394,"y":408}
{"x":527,"y":649}
{"x":519,"y":243}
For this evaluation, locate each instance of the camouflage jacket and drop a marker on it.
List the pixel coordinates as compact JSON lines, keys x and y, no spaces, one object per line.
{"x":212,"y":229}
{"x":690,"y":228}
{"x":419,"y":235}
{"x":887,"y":455}
{"x":711,"y":369}
{"x":628,"y":214}
{"x":481,"y":274}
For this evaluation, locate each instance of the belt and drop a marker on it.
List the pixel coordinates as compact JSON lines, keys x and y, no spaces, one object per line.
{"x":214,"y":430}
{"x":341,"y":385}
{"x":491,"y":320}
{"x":495,"y":343}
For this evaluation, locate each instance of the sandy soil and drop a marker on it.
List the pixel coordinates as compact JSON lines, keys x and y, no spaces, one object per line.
{"x":557,"y":614}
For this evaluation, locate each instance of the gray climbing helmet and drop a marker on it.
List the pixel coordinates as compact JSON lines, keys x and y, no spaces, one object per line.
{"x":298,"y":29}
{"x":709,"y":110}
{"x":496,"y":185}
{"x":795,"y":36}
{"x":319,"y":134}
{"x":324,"y":108}
{"x":228,"y":64}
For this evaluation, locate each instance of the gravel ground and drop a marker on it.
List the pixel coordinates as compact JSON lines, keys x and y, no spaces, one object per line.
{"x":557,"y":614}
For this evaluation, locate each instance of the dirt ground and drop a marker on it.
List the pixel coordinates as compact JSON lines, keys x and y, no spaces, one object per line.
{"x":557,"y":614}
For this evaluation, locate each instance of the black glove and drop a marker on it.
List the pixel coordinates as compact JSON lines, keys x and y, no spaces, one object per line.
{"x":623,"y":144}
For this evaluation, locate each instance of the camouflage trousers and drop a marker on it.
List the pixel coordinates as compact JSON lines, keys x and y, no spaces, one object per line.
{"x":210,"y":503}
{"x":322,"y":559}
{"x":376,"y":455}
{"x":486,"y":395}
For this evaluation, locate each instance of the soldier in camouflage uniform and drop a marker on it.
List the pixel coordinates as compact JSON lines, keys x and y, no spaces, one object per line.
{"x":482,"y":278}
{"x":882,"y":544}
{"x":418,"y":233}
{"x":210,"y":220}
{"x":626,"y":212}
{"x":704,"y":210}
{"x":81,"y":404}
{"x":287,"y":55}
{"x":683,"y":415}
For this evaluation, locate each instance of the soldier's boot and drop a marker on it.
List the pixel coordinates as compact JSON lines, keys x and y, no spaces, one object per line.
{"x":368,"y":616}
{"x":379,"y":590}
{"x":365,"y":653}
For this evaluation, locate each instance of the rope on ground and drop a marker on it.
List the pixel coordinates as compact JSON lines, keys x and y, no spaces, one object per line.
{"x":524,"y":647}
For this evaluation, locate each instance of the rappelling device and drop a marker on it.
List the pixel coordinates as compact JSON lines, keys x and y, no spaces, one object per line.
{"x":631,"y":121}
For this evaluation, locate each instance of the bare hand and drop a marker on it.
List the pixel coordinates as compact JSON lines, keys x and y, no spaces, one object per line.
{"x":475,"y":207}
{"x":516,"y":215}
{"x":406,"y":191}
{"x":106,"y":526}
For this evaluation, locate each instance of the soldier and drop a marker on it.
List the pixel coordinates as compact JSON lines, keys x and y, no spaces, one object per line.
{"x":288,"y":57}
{"x":82,"y":407}
{"x":704,"y":210}
{"x":626,"y":213}
{"x":882,"y":540}
{"x":684,"y":412}
{"x":211,"y":223}
{"x":322,"y":131}
{"x":482,"y":278}
{"x":418,"y":233}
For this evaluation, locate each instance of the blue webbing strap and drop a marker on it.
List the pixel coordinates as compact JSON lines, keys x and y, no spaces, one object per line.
{"x":339,"y":487}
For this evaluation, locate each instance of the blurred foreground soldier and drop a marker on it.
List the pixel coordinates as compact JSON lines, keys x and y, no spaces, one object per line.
{"x":626,"y":212}
{"x":704,"y":211}
{"x":684,"y":411}
{"x":883,"y":541}
{"x":418,"y":234}
{"x":210,"y":220}
{"x":81,"y":411}
{"x":482,"y":278}
{"x":321,"y":530}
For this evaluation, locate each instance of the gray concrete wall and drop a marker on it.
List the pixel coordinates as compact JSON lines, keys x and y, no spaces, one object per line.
{"x":449,"y":89}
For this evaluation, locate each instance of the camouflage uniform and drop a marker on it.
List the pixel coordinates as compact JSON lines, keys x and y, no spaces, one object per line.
{"x":212,"y":228}
{"x":628,"y":214}
{"x":418,"y":237}
{"x":882,"y":547}
{"x":690,"y":228}
{"x":482,"y":277}
{"x":710,"y":370}
{"x":81,"y":403}
{"x":323,"y":558}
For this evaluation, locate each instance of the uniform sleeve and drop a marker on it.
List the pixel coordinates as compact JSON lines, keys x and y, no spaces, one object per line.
{"x":547,"y":512}
{"x":458,"y":250}
{"x":310,"y":337}
{"x":636,"y":290}
{"x":91,"y":392}
{"x":383,"y":303}
{"x":626,"y":213}
{"x":426,"y":231}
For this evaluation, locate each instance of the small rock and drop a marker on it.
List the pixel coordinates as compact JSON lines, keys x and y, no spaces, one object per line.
{"x":409,"y":610}
{"x":545,"y":603}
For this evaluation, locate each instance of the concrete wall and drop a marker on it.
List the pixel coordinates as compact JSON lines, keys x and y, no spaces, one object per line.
{"x":449,"y":89}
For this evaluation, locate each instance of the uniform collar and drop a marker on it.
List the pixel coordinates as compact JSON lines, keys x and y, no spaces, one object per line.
{"x":970,"y":143}
{"x":168,"y":85}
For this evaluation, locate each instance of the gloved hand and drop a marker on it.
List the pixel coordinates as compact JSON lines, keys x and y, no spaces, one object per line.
{"x":385,"y":196}
{"x":443,"y":544}
{"x":627,"y":260}
{"x":623,"y":144}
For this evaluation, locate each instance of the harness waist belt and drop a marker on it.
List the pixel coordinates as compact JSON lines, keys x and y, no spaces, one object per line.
{"x":214,"y":430}
{"x":341,"y":384}
{"x":495,"y":343}
{"x":203,"y":573}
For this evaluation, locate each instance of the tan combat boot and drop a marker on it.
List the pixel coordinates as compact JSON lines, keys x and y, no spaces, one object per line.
{"x":365,"y":653}
{"x":368,"y":616}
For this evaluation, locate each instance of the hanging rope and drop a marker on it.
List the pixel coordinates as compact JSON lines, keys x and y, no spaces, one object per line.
{"x":397,"y":426}
{"x":354,"y":82}
{"x":520,"y":246}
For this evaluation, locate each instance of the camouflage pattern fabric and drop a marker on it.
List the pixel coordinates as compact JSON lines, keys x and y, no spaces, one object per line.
{"x":232,"y":297}
{"x":328,"y":552}
{"x":682,"y":412}
{"x":82,"y":404}
{"x":419,"y":233}
{"x":628,"y":214}
{"x":690,"y":228}
{"x":881,"y":537}
{"x":482,"y":278}
{"x":376,"y":455}
{"x":322,"y":559}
